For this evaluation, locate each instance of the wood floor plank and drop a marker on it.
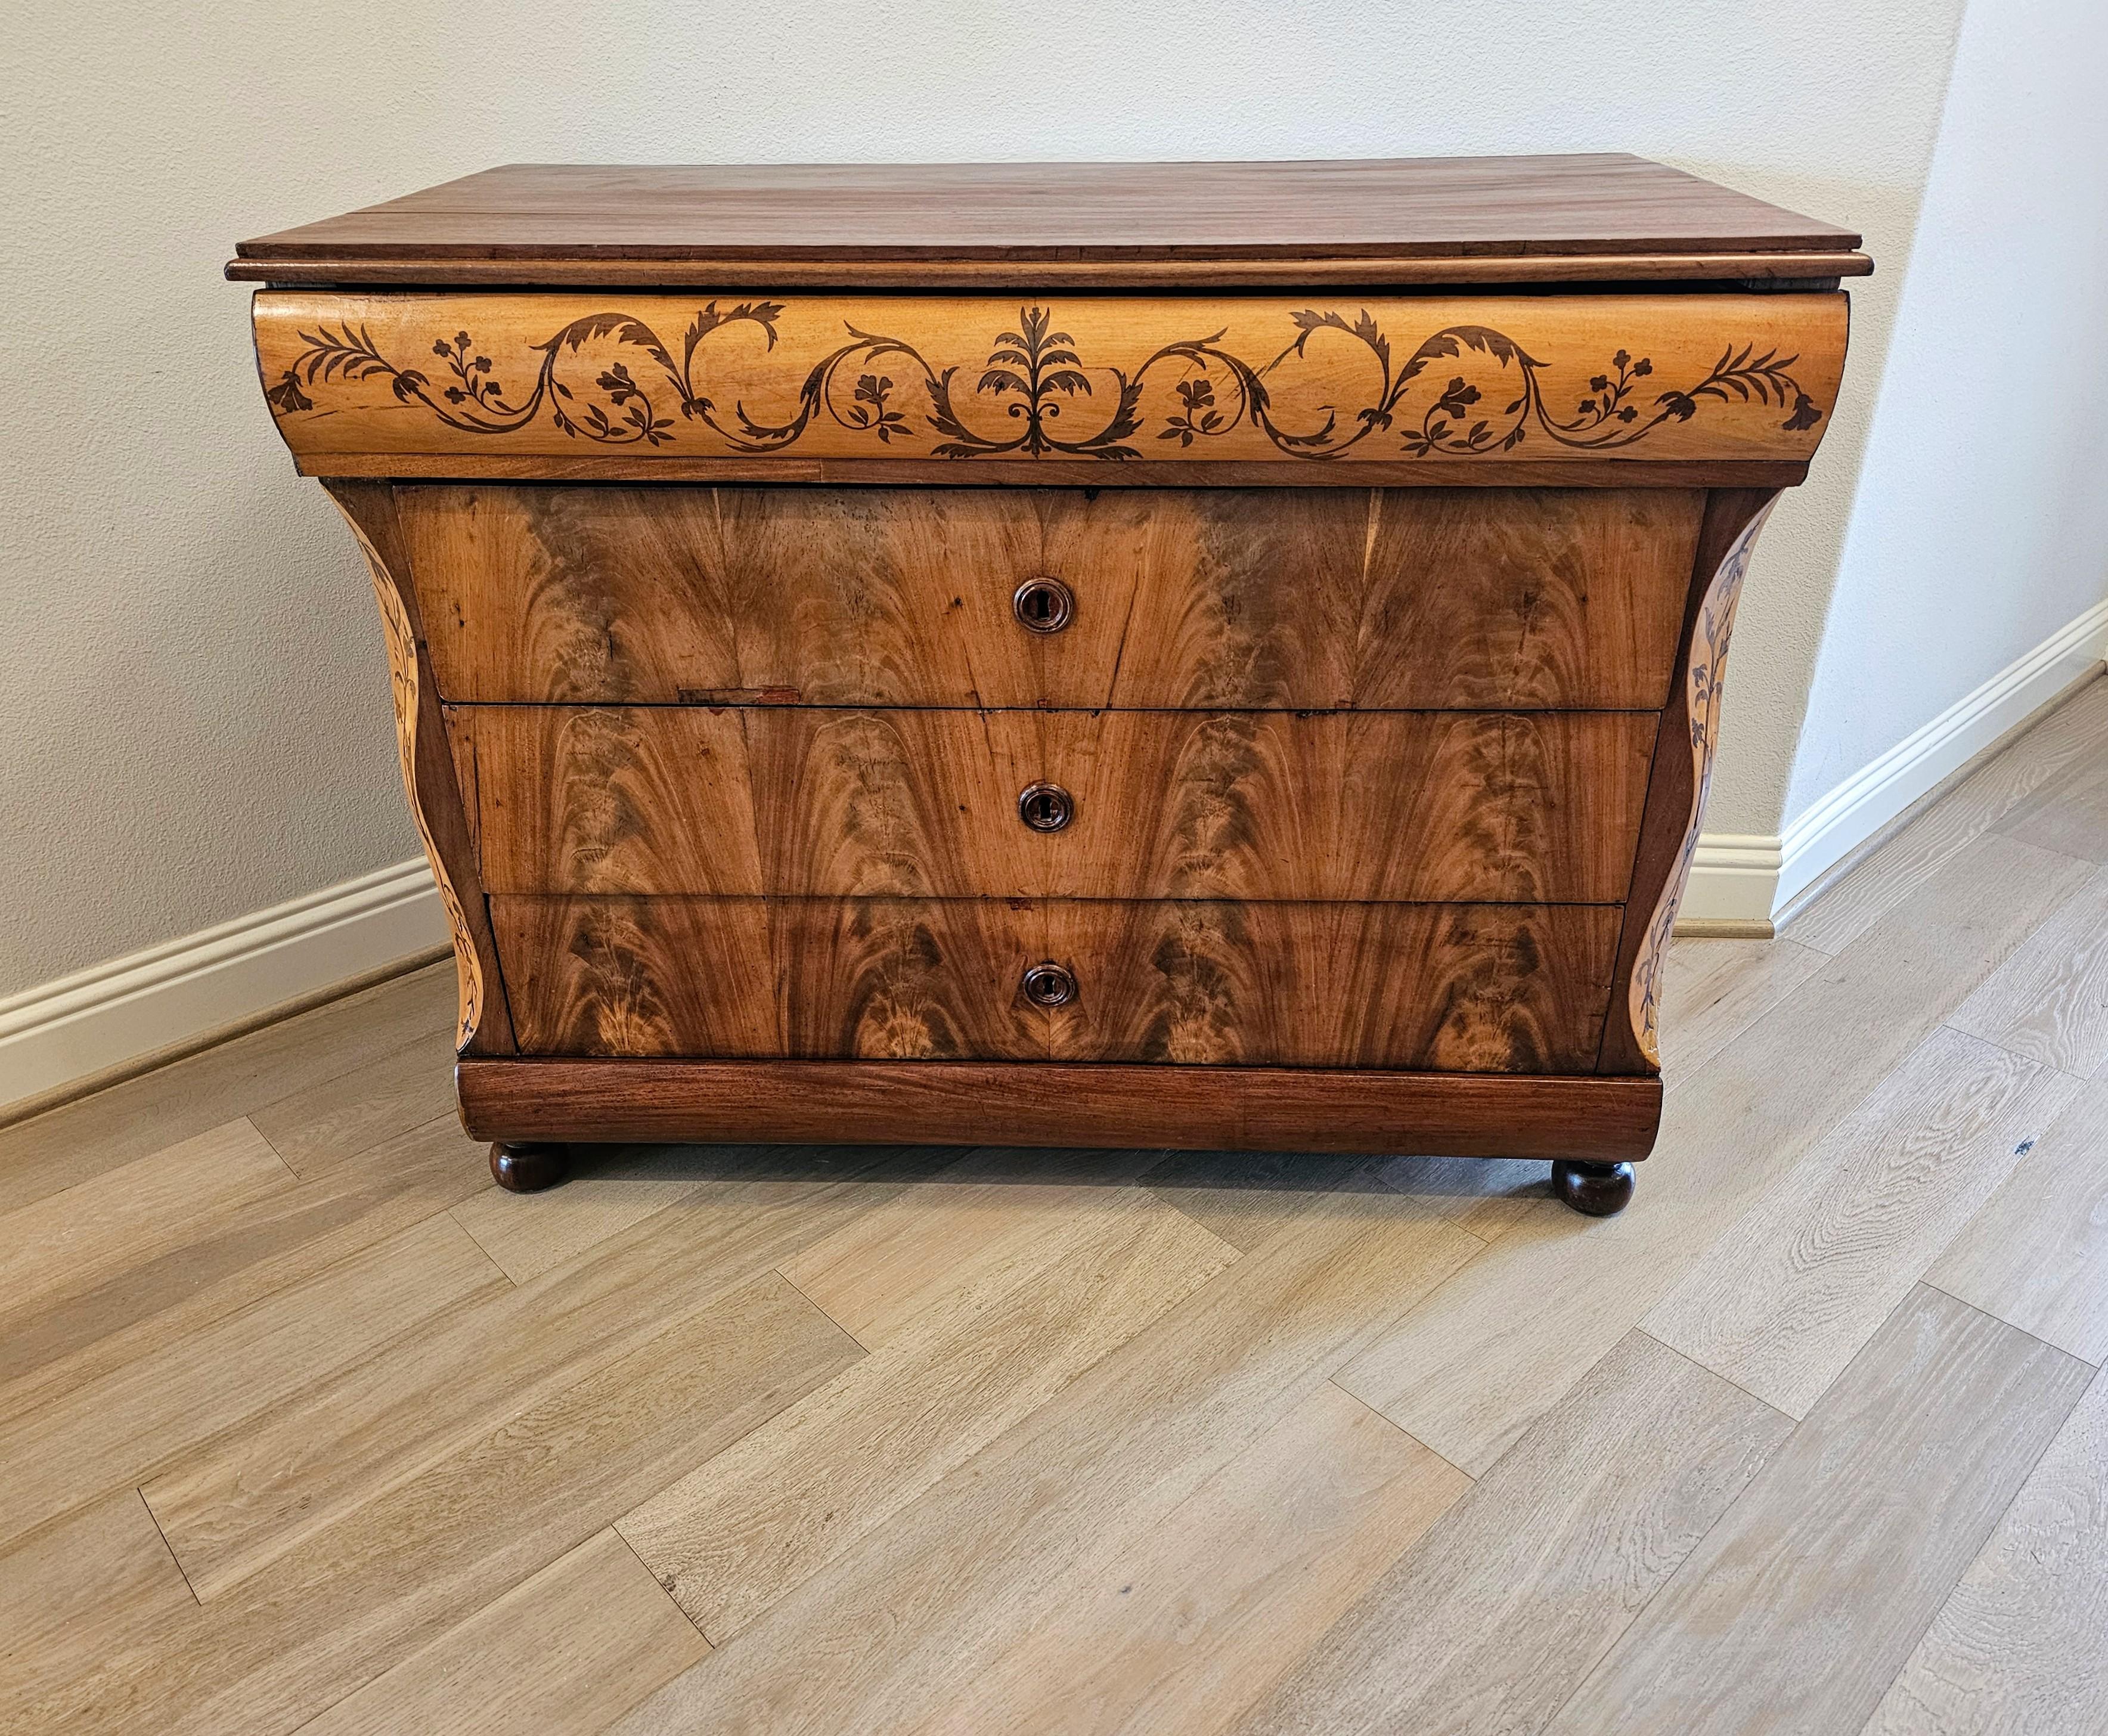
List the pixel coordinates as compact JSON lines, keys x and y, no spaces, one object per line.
{"x":1199,"y":1614}
{"x":1717,"y":989}
{"x":240,"y":1502}
{"x":978,"y":1215}
{"x":330,"y":1120}
{"x":2073,"y":735}
{"x":2020,"y":1648}
{"x":121,"y":1429}
{"x":1247,"y":1197}
{"x":75,"y":1587}
{"x":68,"y":1145}
{"x":270,"y":1245}
{"x":528,"y":1235}
{"x":1491,"y":1192}
{"x":615,"y":1188}
{"x":1797,"y":1285}
{"x":2036,"y":1254}
{"x":742,"y":1529}
{"x":349,"y":1602}
{"x":2049,"y":1001}
{"x":1798,"y":1607}
{"x":1467,"y":1370}
{"x":1490,"y":1621}
{"x":571,"y":1648}
{"x":74,"y":1240}
{"x":2069,"y":813}
{"x":962,"y":1573}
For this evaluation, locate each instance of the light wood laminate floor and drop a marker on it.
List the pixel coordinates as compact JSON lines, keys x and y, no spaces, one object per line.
{"x":305,"y":1427}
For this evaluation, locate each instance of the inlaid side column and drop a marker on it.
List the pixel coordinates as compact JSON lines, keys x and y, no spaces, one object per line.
{"x":1681,"y":776}
{"x":485,"y":1025}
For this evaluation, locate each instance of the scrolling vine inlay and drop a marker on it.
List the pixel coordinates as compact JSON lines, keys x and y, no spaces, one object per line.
{"x":1704,"y":681}
{"x":1464,"y":391}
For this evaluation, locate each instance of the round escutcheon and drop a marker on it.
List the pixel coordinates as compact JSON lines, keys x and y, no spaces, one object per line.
{"x":1050,"y":985}
{"x":1043,"y":605}
{"x":1046,"y":807}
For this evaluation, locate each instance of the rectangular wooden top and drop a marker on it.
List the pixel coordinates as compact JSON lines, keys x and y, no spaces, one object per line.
{"x":1109,"y":225}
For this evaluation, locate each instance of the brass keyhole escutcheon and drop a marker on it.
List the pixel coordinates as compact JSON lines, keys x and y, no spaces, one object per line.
{"x":1050,"y":985}
{"x":1046,"y":807}
{"x":1043,"y":605}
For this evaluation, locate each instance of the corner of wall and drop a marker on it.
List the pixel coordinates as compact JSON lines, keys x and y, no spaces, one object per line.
{"x":1750,"y":881}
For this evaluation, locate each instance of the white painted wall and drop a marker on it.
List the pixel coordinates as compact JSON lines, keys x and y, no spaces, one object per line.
{"x":1981,"y":524}
{"x":197,"y":709}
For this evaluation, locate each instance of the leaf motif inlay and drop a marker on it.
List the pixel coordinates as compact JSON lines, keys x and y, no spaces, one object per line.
{"x":1491,"y":399}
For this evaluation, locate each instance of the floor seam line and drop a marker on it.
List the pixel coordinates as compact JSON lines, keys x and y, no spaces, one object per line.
{"x":153,"y":1519}
{"x":1333,"y":1381}
{"x":1707,"y":1368}
{"x":2086,"y":1362}
{"x":1697,"y":1543}
{"x":615,"y":1526}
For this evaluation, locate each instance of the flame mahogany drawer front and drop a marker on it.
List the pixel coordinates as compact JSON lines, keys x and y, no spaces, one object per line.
{"x":1296,"y":598}
{"x":1510,"y":807}
{"x":1220,"y":654}
{"x":1479,"y":988}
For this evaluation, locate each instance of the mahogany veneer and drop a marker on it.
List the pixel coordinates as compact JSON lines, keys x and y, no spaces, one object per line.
{"x":1530,"y":807}
{"x":881,"y":658}
{"x":1464,"y":988}
{"x":1279,"y":598}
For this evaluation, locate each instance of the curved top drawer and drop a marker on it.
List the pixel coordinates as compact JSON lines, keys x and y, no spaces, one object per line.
{"x":1312,"y":388}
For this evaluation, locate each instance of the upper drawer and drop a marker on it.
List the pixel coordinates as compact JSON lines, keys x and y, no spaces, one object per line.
{"x":631,"y":383}
{"x":1295,"y":599}
{"x":1515,"y":807}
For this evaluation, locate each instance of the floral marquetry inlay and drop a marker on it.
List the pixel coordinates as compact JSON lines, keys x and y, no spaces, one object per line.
{"x":1704,"y":679}
{"x":403,"y":670}
{"x":1099,"y":378}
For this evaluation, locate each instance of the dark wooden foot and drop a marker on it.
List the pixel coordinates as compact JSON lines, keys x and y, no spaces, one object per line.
{"x":1599,"y":1189}
{"x":528,"y":1168}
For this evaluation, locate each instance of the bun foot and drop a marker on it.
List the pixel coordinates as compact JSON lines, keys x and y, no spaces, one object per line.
{"x":1598,"y":1189}
{"x":528,"y":1168}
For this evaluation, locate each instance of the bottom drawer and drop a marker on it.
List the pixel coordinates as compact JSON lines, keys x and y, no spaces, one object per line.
{"x":1469,"y":988}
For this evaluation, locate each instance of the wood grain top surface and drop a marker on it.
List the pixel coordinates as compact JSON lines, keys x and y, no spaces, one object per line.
{"x":1607,"y":213}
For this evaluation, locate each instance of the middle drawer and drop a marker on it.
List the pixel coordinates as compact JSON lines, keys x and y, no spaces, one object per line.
{"x":1476,"y":806}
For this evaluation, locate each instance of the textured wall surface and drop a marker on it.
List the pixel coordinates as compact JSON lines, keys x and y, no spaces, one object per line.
{"x":193,"y":672}
{"x":1981,"y":523}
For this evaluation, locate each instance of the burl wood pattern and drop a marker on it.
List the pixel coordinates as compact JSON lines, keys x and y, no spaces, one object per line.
{"x":1522,"y":807}
{"x":485,"y":1026}
{"x":442,"y":383}
{"x":1499,"y":988}
{"x":1296,"y":599}
{"x":1475,"y":988}
{"x":888,"y":978}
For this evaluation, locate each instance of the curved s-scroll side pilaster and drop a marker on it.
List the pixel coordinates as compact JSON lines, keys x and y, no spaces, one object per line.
{"x":1683,"y":777}
{"x":485,"y":1025}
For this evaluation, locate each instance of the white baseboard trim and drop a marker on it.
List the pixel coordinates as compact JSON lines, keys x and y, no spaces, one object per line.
{"x":1738,"y":878}
{"x":1733,"y":877}
{"x":1822,"y":835}
{"x":172,"y":993}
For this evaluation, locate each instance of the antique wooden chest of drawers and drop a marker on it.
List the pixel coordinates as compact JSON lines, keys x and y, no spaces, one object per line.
{"x":1213,"y":655}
